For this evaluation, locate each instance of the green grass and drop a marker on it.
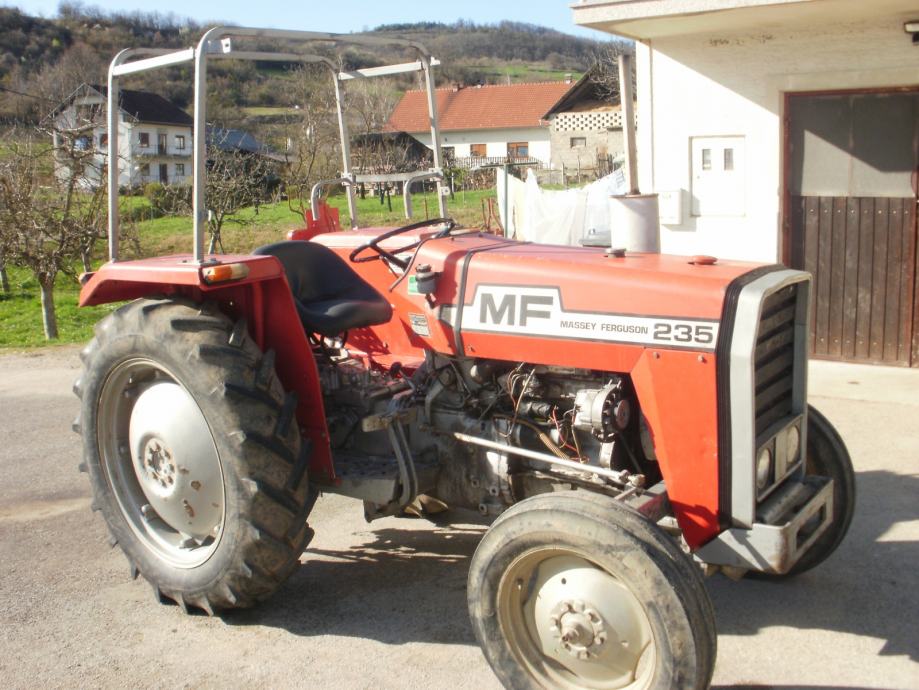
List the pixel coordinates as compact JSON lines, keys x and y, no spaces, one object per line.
{"x":524,"y":72}
{"x":20,"y":311}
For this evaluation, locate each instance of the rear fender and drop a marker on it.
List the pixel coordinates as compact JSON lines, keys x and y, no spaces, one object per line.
{"x":262,"y":297}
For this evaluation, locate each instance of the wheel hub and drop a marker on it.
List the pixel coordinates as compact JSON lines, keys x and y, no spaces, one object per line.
{"x":160,"y":467}
{"x":584,"y":620}
{"x":176,"y":463}
{"x":579,"y":628}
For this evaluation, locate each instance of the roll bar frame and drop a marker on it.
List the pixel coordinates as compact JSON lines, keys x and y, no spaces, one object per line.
{"x":217,"y":43}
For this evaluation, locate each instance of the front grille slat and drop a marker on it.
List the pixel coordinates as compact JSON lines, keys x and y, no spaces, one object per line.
{"x":774,"y":359}
{"x":781,"y":364}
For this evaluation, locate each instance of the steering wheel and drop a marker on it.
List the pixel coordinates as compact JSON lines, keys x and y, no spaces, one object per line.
{"x":381,"y":253}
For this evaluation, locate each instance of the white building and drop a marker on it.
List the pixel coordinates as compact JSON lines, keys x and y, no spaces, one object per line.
{"x":485,"y":123}
{"x":787,"y":130}
{"x":154,"y":136}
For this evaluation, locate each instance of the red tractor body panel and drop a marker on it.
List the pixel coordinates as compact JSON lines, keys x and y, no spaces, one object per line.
{"x":585,"y":292}
{"x":501,"y":299}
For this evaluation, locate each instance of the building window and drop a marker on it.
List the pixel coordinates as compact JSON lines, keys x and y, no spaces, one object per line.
{"x":103,"y":140}
{"x":728,"y":159}
{"x":477,"y":150}
{"x":82,"y":143}
{"x":706,"y":159}
{"x":145,"y":170}
{"x":180,"y":141}
{"x":143,"y":138}
{"x":180,"y":169}
{"x":518,"y":149}
{"x":574,"y":142}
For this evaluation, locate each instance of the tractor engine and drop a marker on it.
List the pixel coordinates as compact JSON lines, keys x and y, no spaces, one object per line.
{"x":463,"y":418}
{"x":576,"y":416}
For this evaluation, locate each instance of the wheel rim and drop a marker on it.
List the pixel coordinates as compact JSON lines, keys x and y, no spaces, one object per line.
{"x":161,"y":462}
{"x":572,"y":624}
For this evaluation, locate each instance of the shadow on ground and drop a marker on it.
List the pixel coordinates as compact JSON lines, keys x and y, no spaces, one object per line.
{"x":403,"y":586}
{"x":867,"y":588}
{"x":398,"y":586}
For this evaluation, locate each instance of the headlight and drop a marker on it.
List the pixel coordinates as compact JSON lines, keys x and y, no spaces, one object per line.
{"x":792,"y":446}
{"x":763,"y":468}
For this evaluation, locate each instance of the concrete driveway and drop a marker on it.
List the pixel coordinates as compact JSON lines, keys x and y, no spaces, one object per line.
{"x":383,"y":605}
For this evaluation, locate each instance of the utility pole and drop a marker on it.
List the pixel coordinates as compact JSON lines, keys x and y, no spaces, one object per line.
{"x":627,"y":105}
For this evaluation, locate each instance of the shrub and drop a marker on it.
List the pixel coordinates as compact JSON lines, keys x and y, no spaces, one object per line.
{"x":168,"y":199}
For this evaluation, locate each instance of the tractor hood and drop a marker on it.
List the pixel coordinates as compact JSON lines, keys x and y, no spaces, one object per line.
{"x":491,"y":285}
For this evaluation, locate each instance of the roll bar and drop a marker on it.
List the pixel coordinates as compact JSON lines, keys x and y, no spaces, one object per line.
{"x":217,"y":43}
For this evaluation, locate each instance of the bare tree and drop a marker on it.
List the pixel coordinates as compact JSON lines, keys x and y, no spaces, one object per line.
{"x":604,"y":71}
{"x":313,"y":145}
{"x":370,"y":103}
{"x":44,"y":220}
{"x":236,"y":179}
{"x":79,"y":169}
{"x":4,"y":278}
{"x":35,"y":92}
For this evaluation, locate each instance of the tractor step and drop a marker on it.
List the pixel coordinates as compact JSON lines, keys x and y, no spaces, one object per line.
{"x":375,"y":478}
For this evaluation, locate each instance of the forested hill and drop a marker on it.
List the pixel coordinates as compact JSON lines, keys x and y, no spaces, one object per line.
{"x":506,"y":41}
{"x":45,"y":58}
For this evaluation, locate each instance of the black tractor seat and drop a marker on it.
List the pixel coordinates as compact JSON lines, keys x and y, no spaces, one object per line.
{"x":330,"y":297}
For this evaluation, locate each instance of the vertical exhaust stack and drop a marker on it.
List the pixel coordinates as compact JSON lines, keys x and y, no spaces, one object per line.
{"x":634,"y":217}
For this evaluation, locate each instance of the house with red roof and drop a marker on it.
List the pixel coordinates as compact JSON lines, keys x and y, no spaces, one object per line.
{"x":487,"y":122}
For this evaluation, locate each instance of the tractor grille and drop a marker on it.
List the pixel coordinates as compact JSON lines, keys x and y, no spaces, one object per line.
{"x":774,"y":359}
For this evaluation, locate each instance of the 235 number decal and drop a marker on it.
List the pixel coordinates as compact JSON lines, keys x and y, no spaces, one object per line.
{"x":702,"y":334}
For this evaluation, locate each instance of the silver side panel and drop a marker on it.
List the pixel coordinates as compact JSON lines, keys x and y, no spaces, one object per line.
{"x":742,"y":383}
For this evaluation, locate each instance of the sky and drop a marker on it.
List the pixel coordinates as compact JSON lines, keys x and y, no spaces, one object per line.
{"x":341,"y":17}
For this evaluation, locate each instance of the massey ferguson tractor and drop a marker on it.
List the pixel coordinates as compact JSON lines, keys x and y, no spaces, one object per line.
{"x":629,"y":422}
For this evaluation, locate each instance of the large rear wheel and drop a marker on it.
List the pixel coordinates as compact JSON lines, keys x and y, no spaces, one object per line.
{"x":193,"y":453}
{"x":572,"y":590}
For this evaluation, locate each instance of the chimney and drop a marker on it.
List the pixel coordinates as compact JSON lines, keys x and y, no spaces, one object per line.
{"x":569,"y":78}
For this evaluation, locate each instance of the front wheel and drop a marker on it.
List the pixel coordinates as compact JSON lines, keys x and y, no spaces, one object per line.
{"x":571,"y":590}
{"x":193,"y":453}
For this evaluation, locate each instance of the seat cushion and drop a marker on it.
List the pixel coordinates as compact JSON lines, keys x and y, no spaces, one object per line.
{"x":330,"y":296}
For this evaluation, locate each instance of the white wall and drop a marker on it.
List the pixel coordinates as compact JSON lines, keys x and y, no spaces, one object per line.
{"x":732,"y":84}
{"x":140,"y":156}
{"x":496,"y":140}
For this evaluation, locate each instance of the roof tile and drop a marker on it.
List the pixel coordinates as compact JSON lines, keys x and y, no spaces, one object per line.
{"x":479,"y":107}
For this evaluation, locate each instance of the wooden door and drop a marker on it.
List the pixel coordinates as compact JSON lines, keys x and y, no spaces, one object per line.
{"x":851,"y":208}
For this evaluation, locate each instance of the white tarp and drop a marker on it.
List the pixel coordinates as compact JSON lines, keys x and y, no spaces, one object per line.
{"x":557,"y":217}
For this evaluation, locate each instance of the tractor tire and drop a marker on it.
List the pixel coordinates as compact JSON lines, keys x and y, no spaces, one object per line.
{"x":194,"y":454}
{"x":572,"y":589}
{"x":827,"y":456}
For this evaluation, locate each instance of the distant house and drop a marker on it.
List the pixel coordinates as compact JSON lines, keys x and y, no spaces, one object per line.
{"x":154,"y":135}
{"x":482,"y":124}
{"x":388,"y":152}
{"x":585,"y":127}
{"x":241,"y":142}
{"x":788,"y":130}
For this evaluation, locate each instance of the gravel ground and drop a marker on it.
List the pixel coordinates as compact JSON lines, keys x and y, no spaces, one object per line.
{"x":383,"y":605}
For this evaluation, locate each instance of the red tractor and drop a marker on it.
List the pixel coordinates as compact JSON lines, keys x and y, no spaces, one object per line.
{"x":630,"y":421}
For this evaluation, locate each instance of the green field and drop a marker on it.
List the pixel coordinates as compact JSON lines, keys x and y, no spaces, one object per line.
{"x":20,"y":310}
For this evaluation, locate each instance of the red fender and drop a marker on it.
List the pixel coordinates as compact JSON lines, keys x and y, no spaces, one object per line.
{"x":262,"y":297}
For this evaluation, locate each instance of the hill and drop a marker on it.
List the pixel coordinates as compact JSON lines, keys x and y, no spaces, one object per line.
{"x":42,"y":60}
